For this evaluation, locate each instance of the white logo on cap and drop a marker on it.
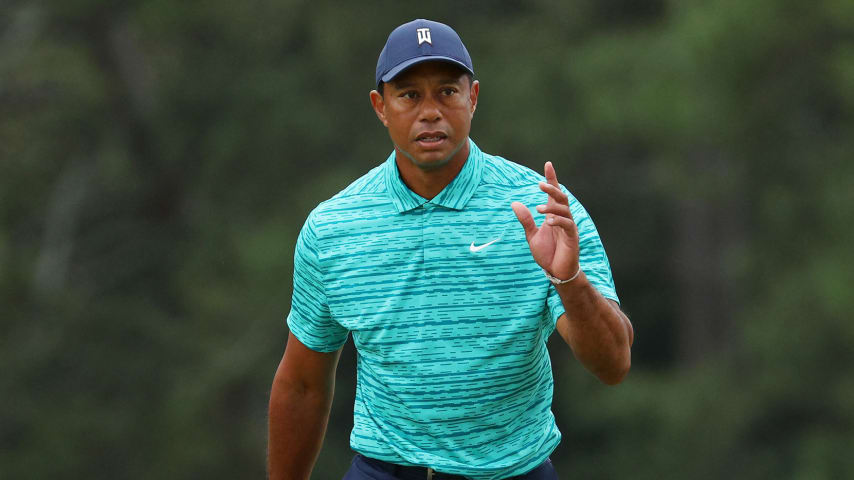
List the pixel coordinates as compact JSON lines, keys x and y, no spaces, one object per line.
{"x":424,"y":36}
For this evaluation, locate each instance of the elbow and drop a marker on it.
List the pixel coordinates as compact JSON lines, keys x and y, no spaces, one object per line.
{"x":616,"y":374}
{"x":622,"y":360}
{"x":615,"y":377}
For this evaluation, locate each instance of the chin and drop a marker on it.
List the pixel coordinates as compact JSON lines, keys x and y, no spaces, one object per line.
{"x":431,"y":162}
{"x":431,"y":159}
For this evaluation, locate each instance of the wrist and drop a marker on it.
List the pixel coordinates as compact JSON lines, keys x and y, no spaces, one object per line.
{"x":562,"y":281}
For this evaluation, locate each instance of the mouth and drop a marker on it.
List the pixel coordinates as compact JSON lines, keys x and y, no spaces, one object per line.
{"x":430,"y":139}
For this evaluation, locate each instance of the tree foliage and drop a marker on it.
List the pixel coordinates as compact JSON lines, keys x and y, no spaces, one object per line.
{"x":157,"y":160}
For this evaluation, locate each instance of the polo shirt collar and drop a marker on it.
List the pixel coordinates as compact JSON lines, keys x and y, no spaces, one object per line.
{"x":455,"y":195}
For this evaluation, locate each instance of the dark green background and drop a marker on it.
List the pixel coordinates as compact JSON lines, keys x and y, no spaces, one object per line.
{"x":157,"y":159}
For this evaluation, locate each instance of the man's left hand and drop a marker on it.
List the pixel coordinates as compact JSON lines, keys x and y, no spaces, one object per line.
{"x":554,"y":244}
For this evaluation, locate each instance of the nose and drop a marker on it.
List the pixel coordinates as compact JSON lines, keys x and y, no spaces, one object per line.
{"x":430,"y":111}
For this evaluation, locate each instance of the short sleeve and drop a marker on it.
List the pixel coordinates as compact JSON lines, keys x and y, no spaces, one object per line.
{"x":310,"y":319}
{"x":555,"y":305}
{"x":591,"y":258}
{"x":591,"y":253}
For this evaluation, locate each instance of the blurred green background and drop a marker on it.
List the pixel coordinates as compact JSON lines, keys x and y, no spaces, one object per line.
{"x":157,"y":159}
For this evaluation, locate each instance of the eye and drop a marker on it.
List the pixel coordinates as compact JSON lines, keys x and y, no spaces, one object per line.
{"x":448,"y":91}
{"x":410,"y":94}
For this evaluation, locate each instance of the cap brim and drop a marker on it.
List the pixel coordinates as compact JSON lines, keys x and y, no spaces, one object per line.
{"x":427,"y":58}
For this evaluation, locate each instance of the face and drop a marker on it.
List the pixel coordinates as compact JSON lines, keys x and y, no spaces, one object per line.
{"x":428,"y":110}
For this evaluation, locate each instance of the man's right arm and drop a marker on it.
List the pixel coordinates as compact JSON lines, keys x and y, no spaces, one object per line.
{"x":300,"y":401}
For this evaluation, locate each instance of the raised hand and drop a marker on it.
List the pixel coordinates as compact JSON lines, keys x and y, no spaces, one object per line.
{"x":554,"y":244}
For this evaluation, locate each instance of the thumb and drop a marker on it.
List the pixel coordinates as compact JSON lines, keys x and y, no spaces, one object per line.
{"x":525,"y":218}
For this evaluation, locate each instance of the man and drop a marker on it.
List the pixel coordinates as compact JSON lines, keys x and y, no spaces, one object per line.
{"x":449,"y":300}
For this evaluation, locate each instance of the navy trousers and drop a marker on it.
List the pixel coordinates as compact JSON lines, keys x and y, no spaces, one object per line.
{"x":364,"y":468}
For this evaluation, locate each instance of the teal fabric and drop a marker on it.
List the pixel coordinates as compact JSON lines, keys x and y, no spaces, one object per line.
{"x":453,"y":370}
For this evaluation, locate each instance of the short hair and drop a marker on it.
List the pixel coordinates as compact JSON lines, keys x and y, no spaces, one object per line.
{"x":380,"y":87}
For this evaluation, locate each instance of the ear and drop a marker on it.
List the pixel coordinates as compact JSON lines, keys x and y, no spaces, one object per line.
{"x":473,"y":92}
{"x":379,"y":106}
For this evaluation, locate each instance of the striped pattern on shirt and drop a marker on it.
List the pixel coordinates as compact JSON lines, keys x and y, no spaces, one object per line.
{"x":453,"y":370}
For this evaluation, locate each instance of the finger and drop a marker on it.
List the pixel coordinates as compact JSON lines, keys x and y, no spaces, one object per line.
{"x":525,"y":218}
{"x":555,"y":193}
{"x":555,"y":209}
{"x":551,"y":175}
{"x":567,"y":224}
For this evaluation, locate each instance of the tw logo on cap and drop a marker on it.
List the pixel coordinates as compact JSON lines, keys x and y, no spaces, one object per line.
{"x":424,"y":35}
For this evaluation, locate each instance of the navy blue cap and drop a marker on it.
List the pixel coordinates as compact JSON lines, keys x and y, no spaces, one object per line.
{"x":419,"y":41}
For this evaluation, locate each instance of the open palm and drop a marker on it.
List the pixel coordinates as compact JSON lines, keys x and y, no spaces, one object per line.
{"x":554,"y":244}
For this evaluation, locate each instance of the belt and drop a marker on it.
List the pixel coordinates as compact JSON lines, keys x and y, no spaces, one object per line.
{"x":404,"y":472}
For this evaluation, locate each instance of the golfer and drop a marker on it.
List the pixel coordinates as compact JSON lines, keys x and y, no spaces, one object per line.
{"x":450,"y":267}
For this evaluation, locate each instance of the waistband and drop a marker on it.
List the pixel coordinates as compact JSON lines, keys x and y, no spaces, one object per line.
{"x":404,"y":472}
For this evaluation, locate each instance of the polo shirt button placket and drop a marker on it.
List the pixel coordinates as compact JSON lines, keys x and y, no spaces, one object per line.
{"x":428,"y":238}
{"x":425,"y":223}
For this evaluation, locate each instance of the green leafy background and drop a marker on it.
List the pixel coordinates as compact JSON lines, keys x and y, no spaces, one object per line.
{"x":157,"y":159}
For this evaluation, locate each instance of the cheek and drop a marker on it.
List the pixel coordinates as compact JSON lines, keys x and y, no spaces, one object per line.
{"x":462,"y":115}
{"x":459,"y":101}
{"x":458,"y":106}
{"x":405,"y":120}
{"x":398,"y":115}
{"x":398,"y":127}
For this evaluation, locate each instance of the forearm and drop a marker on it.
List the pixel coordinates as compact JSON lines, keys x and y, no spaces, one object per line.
{"x":297,"y":425}
{"x":599,"y":334}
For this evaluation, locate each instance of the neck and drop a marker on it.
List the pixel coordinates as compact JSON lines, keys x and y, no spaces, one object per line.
{"x":428,"y":182}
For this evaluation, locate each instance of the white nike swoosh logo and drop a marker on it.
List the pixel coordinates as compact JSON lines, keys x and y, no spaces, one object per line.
{"x":478,"y":248}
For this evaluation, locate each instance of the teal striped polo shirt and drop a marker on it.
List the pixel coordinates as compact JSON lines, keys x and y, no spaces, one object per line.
{"x":449,"y":315}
